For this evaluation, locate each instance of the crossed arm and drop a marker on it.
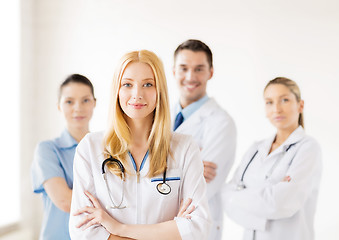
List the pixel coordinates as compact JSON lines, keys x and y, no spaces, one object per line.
{"x":59,"y":192}
{"x":277,"y":200}
{"x":97,"y":215}
{"x":100,"y":224}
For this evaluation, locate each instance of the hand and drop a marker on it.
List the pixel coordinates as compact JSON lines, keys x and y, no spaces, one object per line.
{"x":184,"y":211}
{"x":286,"y":179}
{"x":96,"y":215}
{"x":210,"y":170}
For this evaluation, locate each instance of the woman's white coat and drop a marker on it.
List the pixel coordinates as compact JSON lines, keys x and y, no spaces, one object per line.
{"x":268,"y":207}
{"x":145,"y":205}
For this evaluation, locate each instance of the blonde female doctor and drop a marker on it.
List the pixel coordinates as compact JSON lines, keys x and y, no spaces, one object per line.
{"x":274,"y":191}
{"x":129,"y":181}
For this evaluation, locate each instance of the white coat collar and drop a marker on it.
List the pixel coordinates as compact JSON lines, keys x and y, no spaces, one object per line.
{"x":204,"y":111}
{"x":296,"y":136}
{"x":207,"y":108}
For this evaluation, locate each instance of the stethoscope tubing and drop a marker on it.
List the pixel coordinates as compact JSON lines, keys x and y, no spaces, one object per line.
{"x":243,"y":174}
{"x":111,"y":159}
{"x":122,"y":169}
{"x":242,"y":185}
{"x":163,"y":188}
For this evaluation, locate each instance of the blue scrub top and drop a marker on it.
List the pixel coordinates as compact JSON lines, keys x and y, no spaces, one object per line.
{"x":54,"y":158}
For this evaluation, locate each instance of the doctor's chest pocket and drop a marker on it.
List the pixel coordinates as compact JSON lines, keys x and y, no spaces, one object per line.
{"x":169,"y":189}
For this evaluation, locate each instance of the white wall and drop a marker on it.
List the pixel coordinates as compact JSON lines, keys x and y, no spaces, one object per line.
{"x":10,"y":77}
{"x":252,"y":42}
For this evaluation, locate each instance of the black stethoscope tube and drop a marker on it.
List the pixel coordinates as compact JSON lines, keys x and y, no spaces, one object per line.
{"x":111,"y":159}
{"x":243,"y":174}
{"x":241,"y":185}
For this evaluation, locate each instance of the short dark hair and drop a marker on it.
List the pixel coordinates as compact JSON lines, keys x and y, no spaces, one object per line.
{"x":76,"y":78}
{"x":195,"y":46}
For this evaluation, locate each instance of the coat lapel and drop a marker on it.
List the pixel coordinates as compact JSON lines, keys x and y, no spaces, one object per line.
{"x":197,"y":117}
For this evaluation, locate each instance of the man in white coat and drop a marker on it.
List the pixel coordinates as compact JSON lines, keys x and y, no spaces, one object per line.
{"x":200,"y":116}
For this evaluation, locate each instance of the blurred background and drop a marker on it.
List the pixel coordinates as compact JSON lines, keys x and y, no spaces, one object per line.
{"x":44,"y":41}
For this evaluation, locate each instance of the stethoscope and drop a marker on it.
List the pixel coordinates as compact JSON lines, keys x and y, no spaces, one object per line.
{"x":122,"y":169}
{"x":241,"y":185}
{"x":163,"y":187}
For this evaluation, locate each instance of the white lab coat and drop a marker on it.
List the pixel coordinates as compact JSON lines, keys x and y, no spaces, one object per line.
{"x":270,"y":208}
{"x":145,"y":205}
{"x":214,"y":130}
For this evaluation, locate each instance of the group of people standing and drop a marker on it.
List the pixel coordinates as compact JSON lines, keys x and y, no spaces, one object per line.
{"x":156,"y":173}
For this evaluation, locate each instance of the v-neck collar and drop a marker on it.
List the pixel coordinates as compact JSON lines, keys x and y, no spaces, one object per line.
{"x":142,"y":163}
{"x":293,"y":138}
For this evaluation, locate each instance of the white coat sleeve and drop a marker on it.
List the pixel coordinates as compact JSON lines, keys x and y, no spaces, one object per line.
{"x":235,"y":212}
{"x":283,"y":199}
{"x":219,"y":145}
{"x":83,"y":180}
{"x":194,"y":186}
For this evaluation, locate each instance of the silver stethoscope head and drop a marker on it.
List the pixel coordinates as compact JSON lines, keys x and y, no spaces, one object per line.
{"x":122,"y":169}
{"x":241,"y":186}
{"x":163,"y":187}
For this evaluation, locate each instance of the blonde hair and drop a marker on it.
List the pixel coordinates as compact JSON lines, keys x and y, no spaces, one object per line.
{"x":293,"y":87}
{"x":118,"y":137}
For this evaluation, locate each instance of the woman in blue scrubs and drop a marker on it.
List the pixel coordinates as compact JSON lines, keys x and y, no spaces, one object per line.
{"x":52,"y":168}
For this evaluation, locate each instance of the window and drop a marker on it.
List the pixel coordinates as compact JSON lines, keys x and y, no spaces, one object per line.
{"x":9,"y":106}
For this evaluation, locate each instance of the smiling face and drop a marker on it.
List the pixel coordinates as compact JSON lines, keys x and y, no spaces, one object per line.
{"x":192,"y":71}
{"x":137,"y":93}
{"x":77,"y":104}
{"x":282,"y":107}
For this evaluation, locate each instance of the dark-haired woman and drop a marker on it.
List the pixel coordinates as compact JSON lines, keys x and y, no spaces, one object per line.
{"x":52,"y":168}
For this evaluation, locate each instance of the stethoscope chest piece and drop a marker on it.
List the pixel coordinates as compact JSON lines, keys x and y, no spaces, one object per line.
{"x":163,"y":188}
{"x":241,"y":186}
